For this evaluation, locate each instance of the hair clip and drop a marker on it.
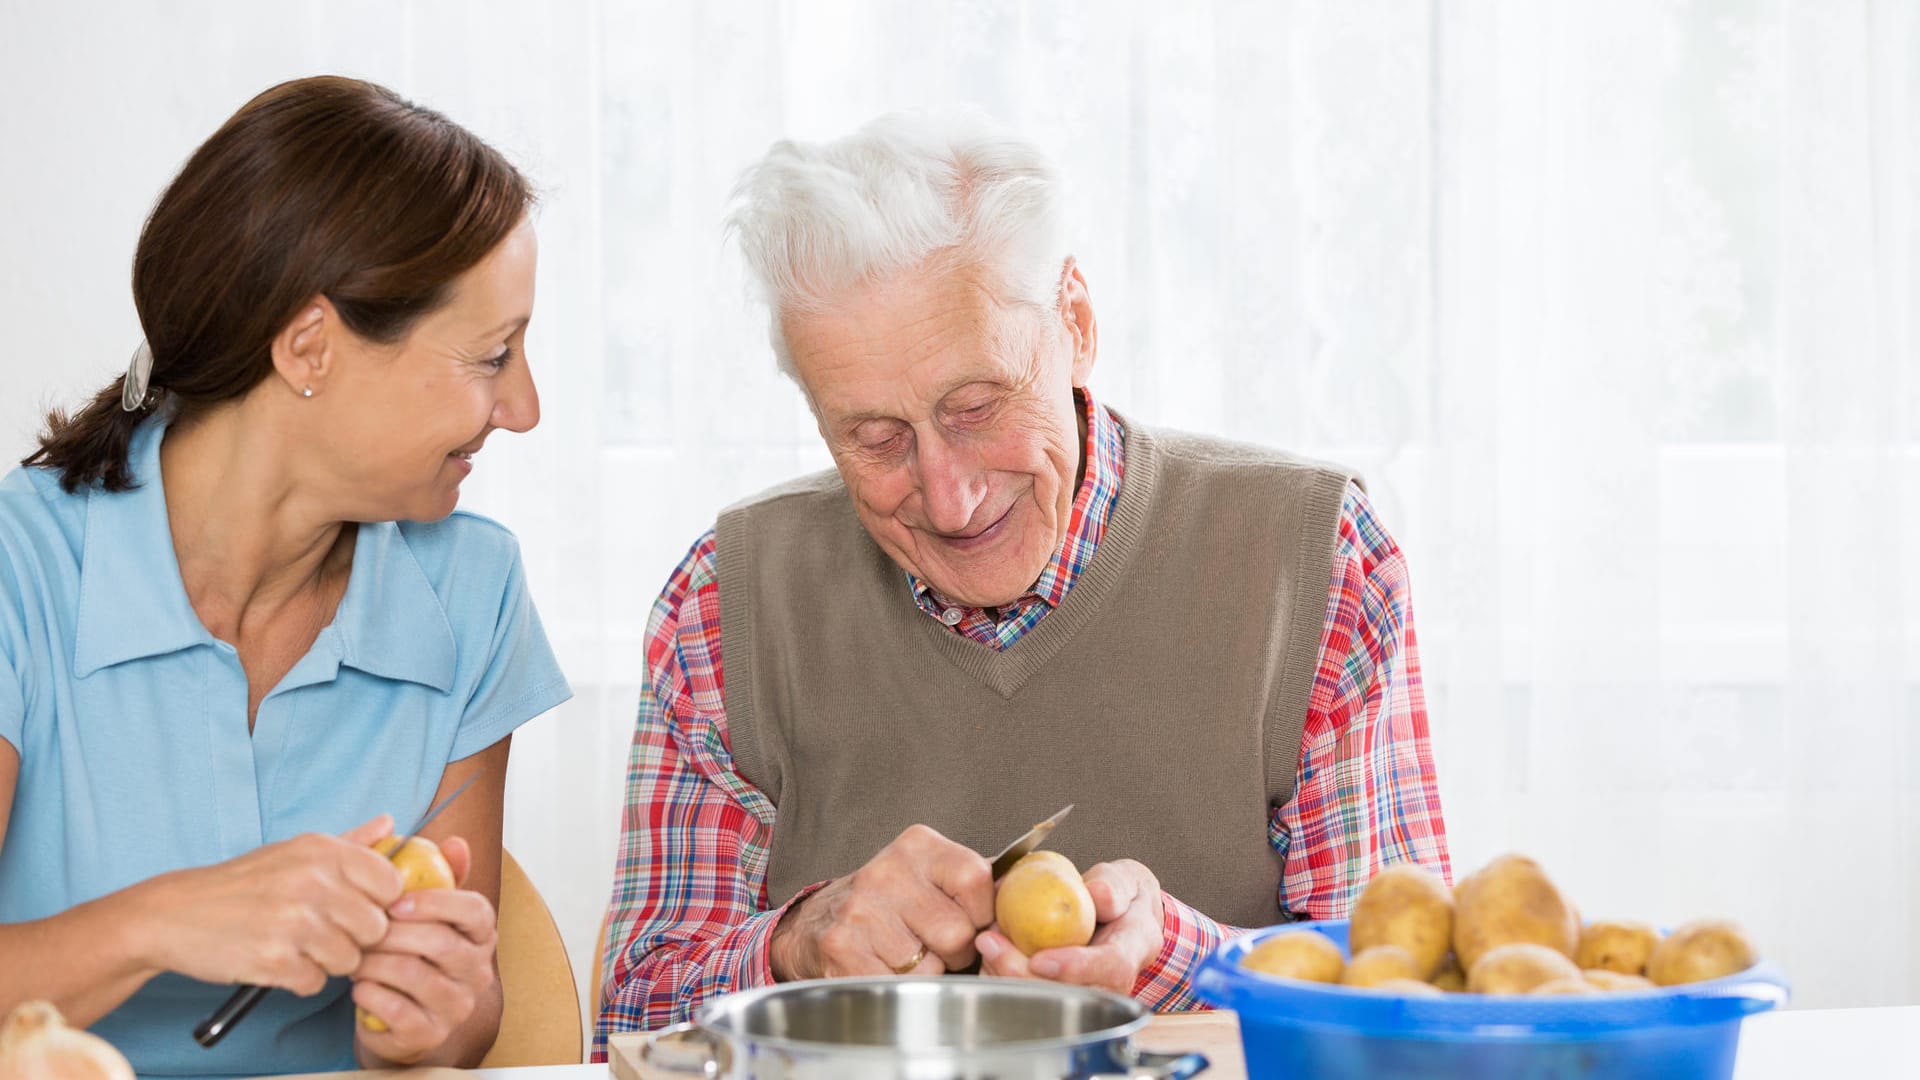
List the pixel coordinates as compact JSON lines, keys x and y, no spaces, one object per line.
{"x":133,"y":391}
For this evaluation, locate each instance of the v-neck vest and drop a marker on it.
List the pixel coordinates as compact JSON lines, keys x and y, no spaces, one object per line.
{"x":1164,"y":697}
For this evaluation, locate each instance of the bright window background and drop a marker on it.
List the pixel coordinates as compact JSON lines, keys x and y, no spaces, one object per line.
{"x":1614,"y":303}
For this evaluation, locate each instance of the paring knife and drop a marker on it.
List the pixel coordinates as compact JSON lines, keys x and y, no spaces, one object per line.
{"x":1027,"y":842}
{"x":244,"y":998}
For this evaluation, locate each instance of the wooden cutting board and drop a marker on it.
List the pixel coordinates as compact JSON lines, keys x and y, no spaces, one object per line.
{"x":1215,"y":1034}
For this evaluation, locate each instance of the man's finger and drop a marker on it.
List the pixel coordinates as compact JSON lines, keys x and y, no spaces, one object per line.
{"x":962,"y":874}
{"x":1112,"y":893}
{"x":1103,"y":966}
{"x":999,"y":957}
{"x":938,"y":921}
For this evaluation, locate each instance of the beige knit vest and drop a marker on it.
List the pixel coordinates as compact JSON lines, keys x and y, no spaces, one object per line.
{"x":1164,"y":697}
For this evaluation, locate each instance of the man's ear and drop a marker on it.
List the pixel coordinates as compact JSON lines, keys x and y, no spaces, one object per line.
{"x":1076,"y":318}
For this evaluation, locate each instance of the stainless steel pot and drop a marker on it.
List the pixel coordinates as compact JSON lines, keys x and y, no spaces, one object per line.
{"x":914,"y":1028}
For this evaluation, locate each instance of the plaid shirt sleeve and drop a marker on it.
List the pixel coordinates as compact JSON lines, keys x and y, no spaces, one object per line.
{"x":688,"y":919}
{"x":1366,"y":794}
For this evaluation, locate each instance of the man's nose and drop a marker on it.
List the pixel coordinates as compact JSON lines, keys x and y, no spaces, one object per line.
{"x":952,"y":485}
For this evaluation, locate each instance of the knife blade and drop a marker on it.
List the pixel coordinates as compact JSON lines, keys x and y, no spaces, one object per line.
{"x":244,"y":998}
{"x":1026,"y":843}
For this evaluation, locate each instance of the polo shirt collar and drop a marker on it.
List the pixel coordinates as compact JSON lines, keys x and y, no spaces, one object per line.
{"x":133,"y":604}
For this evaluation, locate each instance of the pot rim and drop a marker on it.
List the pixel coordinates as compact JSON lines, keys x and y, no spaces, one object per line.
{"x":743,"y":999}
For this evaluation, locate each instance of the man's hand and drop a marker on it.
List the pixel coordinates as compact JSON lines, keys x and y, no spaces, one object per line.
{"x":914,"y":908}
{"x":1128,"y":935}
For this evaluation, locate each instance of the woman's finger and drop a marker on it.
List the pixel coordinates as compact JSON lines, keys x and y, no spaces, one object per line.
{"x":467,"y":912}
{"x":459,"y":859}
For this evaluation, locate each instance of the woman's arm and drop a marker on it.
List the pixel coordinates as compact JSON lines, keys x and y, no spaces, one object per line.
{"x":87,"y":959}
{"x":427,"y":968}
{"x":288,"y":914}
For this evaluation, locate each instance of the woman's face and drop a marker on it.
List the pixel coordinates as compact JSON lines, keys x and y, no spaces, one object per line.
{"x":400,"y":425}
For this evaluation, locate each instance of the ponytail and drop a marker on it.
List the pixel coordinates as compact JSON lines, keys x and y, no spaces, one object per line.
{"x":90,"y":446}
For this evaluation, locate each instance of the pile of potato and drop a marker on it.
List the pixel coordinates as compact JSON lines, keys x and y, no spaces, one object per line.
{"x":1503,"y":930}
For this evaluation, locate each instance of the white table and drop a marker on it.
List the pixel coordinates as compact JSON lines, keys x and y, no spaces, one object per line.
{"x":1787,"y":1045}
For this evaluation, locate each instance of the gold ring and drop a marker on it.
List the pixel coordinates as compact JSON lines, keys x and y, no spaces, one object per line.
{"x":918,"y":955}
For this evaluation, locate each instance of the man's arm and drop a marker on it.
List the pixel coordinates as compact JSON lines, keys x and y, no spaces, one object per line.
{"x":1366,"y":794}
{"x":688,"y":916}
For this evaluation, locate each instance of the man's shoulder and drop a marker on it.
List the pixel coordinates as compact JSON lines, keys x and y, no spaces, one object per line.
{"x":1213,"y":453}
{"x":823,"y":487}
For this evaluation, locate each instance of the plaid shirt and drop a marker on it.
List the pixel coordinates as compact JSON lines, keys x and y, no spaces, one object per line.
{"x":690,"y":917}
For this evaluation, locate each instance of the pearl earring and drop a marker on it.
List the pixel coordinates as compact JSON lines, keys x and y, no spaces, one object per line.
{"x":308,"y":392}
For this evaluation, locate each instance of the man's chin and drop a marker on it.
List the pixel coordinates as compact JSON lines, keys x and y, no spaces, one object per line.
{"x":977,"y":593}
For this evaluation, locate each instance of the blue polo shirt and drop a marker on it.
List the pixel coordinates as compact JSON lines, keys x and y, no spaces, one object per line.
{"x":131,"y":724}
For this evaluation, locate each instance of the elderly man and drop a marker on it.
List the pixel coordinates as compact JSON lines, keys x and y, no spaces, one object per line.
{"x":1004,"y":598}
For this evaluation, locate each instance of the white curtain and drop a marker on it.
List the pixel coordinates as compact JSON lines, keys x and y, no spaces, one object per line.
{"x":1613,"y":302}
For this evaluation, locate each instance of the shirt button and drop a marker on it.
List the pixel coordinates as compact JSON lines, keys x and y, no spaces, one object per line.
{"x":951,"y":616}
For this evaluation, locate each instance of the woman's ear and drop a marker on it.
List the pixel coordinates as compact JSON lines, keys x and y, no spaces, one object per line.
{"x":303,"y":349}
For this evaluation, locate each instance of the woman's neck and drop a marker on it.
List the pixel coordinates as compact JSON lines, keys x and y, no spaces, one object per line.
{"x":249,"y":540}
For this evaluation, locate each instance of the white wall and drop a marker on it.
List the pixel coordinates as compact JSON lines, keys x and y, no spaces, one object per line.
{"x":1614,"y":303}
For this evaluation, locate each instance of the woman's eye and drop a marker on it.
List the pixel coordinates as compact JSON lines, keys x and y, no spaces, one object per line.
{"x":974,"y":414}
{"x":499,"y":360}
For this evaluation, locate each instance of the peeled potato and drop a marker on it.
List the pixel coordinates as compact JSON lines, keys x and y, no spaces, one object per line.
{"x":1511,"y":901}
{"x":1407,"y":988}
{"x":1616,"y":945}
{"x":1043,"y":903}
{"x":421,"y":866}
{"x":1302,"y":954}
{"x":1614,"y":982}
{"x":1562,"y":985}
{"x":1379,"y":964}
{"x":1518,"y":968}
{"x":1701,"y":950}
{"x":1451,"y":979}
{"x":1406,"y":905}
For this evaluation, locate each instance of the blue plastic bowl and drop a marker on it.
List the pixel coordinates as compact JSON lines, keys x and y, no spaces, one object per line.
{"x":1293,"y":1030}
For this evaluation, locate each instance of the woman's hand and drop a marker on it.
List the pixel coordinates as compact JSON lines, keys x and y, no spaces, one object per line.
{"x":288,"y":914}
{"x":432,"y":970}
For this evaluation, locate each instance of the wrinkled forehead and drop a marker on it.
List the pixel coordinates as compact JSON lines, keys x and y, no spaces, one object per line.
{"x":900,"y":347}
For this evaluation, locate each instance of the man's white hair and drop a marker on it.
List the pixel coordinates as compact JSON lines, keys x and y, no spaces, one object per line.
{"x":905,"y":193}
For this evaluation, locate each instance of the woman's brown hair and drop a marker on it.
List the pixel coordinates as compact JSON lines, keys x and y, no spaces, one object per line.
{"x":318,"y":187}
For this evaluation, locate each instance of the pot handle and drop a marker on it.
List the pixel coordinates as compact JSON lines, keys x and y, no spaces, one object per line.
{"x":684,"y":1050}
{"x":1154,"y":1066}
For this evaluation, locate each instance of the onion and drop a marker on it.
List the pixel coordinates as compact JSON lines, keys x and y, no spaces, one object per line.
{"x":36,"y":1044}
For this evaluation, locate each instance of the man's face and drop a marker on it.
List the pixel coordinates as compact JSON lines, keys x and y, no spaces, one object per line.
{"x":951,"y":417}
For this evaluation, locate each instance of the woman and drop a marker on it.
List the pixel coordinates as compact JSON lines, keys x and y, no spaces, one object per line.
{"x":234,"y":648}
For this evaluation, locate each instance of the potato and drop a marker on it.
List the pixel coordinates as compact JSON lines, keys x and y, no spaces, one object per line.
{"x":1301,"y":954}
{"x":1042,"y":903}
{"x":1406,"y":905}
{"x":1562,"y":986}
{"x":1701,"y":950}
{"x":1407,"y":988}
{"x":1507,"y":902}
{"x":1374,"y":966}
{"x":1518,"y":968}
{"x":1621,"y":946}
{"x":1614,"y":982}
{"x":1451,"y":979}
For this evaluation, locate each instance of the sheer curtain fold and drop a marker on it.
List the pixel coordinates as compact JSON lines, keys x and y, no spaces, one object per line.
{"x":1613,"y":303}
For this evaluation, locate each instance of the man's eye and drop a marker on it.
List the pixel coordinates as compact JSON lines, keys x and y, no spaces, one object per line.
{"x":974,"y":414}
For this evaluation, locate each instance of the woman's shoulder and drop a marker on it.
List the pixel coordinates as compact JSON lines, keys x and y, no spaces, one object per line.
{"x":464,"y":539}
{"x":42,"y":527}
{"x":471,"y":561}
